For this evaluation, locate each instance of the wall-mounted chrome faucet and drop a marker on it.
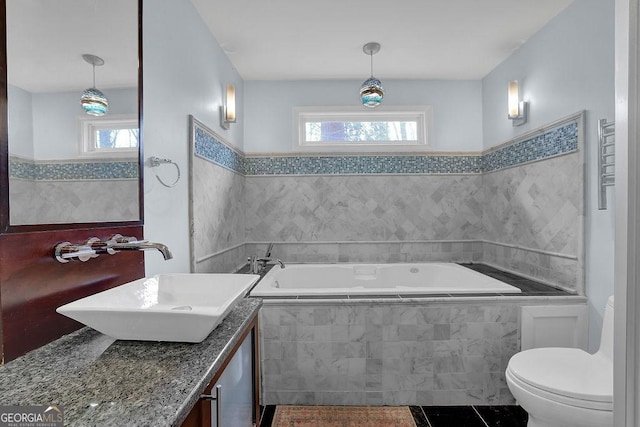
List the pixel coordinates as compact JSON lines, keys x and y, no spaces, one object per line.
{"x":93,"y":247}
{"x":258,"y":264}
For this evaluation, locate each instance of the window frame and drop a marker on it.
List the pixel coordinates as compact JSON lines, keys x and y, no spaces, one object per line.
{"x":422,"y":115}
{"x":87,"y":139}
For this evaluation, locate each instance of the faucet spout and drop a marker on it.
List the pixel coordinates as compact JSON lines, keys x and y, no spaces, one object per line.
{"x":142,"y":245}
{"x":259,"y":264}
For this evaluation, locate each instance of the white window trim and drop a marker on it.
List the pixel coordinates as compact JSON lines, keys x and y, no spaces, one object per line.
{"x":423,"y":113}
{"x":86,"y":143}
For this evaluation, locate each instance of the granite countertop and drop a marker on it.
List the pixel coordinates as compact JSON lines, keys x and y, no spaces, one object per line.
{"x":103,"y":382}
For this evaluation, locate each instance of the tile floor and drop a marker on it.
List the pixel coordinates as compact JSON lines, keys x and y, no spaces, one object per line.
{"x":449,"y":416}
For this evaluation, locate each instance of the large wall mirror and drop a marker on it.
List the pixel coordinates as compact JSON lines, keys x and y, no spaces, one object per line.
{"x":67,"y":163}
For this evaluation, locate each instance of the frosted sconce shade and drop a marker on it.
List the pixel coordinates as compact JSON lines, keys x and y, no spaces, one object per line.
{"x":516,"y":109}
{"x":228,"y":110}
{"x":513,"y":99}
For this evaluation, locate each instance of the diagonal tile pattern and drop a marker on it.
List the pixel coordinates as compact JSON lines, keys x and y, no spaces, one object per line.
{"x":527,"y":215}
{"x":365,"y":208}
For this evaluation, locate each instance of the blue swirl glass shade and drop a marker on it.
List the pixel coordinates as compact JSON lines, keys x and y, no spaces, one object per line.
{"x":94,"y":102}
{"x":371,"y":92}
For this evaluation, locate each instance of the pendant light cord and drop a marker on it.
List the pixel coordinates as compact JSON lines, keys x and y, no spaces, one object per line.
{"x":94,"y":76}
{"x":370,"y":54}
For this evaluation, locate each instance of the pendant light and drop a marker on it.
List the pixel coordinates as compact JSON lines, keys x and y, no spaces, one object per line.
{"x":92,"y":100}
{"x":371,"y":92}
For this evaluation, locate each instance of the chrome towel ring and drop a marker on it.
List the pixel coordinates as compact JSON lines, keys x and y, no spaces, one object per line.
{"x":155,"y":162}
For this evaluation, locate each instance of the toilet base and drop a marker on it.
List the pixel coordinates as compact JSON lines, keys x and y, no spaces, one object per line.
{"x":549,"y":413}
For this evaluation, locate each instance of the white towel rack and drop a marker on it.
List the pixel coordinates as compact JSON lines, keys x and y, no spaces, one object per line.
{"x":606,"y":160}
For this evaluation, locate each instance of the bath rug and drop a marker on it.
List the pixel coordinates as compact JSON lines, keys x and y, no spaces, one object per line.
{"x":342,"y":416}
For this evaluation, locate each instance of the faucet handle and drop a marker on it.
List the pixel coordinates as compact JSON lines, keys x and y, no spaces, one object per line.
{"x":119,"y":238}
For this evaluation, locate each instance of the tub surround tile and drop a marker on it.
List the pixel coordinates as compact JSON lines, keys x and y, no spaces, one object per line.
{"x":217,"y":218}
{"x":365,"y":208}
{"x":100,"y":381}
{"x":525,"y":207}
{"x":509,"y":213}
{"x":411,"y":357}
{"x":451,"y":350}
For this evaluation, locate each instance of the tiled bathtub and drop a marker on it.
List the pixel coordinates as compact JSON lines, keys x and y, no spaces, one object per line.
{"x":442,"y":350}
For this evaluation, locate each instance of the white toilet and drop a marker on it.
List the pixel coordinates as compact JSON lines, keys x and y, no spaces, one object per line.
{"x":566,"y":387}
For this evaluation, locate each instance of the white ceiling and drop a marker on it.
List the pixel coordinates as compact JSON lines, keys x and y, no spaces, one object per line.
{"x":421,"y":39}
{"x":46,"y":40}
{"x":277,"y":39}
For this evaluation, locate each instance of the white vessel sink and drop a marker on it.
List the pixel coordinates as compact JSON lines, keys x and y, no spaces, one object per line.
{"x":166,"y":307}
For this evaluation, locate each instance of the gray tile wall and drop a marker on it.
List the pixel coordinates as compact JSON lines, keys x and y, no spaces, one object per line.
{"x":537,"y":206}
{"x":217,"y":218}
{"x":373,"y":252}
{"x":388,"y":354}
{"x":527,"y":219}
{"x":69,"y":201}
{"x":363,"y":208}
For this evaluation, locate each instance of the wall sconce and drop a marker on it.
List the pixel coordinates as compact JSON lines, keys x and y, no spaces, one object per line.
{"x":228,"y":108}
{"x":517,"y":109}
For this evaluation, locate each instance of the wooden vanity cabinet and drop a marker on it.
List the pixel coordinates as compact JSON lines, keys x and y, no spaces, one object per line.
{"x":239,"y":386}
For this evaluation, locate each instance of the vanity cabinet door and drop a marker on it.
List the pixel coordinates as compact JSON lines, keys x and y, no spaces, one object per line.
{"x":233,"y":406}
{"x":231,"y":399}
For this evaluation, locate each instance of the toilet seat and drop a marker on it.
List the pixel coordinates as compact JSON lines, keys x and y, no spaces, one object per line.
{"x":558,"y":374}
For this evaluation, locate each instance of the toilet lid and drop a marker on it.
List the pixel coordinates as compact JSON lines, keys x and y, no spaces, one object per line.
{"x":566,"y":371}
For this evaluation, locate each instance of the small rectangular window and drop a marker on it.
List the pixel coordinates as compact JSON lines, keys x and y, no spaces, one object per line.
{"x":115,"y":136}
{"x":352,"y":129}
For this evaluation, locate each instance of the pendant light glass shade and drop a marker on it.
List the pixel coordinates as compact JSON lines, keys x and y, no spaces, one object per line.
{"x":92,"y":100}
{"x":371,"y":91}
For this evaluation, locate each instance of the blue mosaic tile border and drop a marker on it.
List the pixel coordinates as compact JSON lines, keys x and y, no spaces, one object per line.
{"x":210,"y":148}
{"x":561,"y":140}
{"x":332,"y":165}
{"x":557,"y":141}
{"x":72,"y":170}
